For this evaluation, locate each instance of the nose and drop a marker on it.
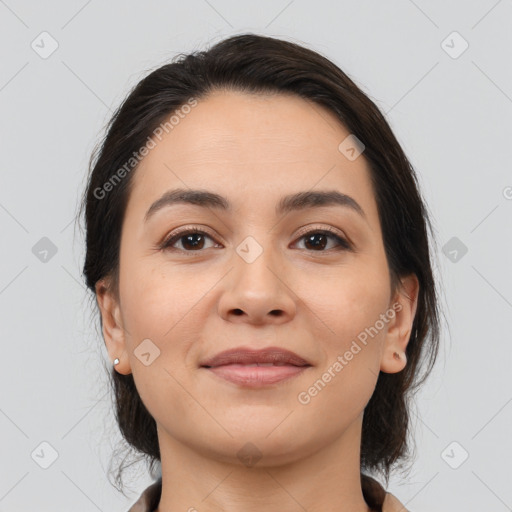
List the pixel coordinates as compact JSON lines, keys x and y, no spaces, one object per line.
{"x":257,"y":292}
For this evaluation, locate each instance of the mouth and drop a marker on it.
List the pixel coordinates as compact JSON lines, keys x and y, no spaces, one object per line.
{"x":256,"y":368}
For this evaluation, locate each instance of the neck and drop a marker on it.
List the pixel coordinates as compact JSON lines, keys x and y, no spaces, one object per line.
{"x":327,"y":480}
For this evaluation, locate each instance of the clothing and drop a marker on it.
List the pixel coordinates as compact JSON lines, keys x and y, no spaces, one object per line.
{"x":373,"y":492}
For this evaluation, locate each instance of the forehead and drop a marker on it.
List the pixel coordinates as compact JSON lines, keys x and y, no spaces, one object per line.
{"x":247,"y":145}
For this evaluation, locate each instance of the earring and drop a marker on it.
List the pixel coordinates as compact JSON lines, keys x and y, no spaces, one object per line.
{"x":116,"y":361}
{"x":396,"y":355}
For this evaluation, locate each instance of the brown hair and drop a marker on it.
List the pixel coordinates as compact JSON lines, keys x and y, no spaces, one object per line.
{"x":258,"y":64}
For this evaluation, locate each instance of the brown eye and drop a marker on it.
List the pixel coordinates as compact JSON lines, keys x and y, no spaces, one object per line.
{"x":317,"y":240}
{"x":195,"y":240}
{"x":191,"y":240}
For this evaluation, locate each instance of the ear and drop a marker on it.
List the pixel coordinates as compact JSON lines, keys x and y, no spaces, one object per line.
{"x":404,"y":304}
{"x":114,"y":333}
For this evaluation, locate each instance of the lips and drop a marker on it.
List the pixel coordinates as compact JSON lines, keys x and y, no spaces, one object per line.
{"x":256,"y":368}
{"x":272,"y":356}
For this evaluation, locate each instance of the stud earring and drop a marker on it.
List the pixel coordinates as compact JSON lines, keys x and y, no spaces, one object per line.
{"x":396,"y":355}
{"x":116,"y":361}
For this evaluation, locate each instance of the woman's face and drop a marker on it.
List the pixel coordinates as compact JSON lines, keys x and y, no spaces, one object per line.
{"x":262,"y":276}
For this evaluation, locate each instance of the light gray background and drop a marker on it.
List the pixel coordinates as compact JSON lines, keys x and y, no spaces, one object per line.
{"x":453,"y":118}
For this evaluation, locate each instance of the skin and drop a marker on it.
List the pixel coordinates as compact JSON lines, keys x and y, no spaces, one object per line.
{"x":254,"y":149}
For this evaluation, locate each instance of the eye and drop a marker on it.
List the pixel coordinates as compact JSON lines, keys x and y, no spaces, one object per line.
{"x":190,"y":238}
{"x":194,"y":240}
{"x":318,"y":239}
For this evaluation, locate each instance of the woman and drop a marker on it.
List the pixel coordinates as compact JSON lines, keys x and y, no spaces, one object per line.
{"x":259,"y":251}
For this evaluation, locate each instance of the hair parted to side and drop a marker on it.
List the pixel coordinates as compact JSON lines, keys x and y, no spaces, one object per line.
{"x":258,"y":64}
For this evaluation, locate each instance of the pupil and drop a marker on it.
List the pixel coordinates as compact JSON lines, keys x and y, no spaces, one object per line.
{"x":322,"y":244}
{"x":195,"y":244}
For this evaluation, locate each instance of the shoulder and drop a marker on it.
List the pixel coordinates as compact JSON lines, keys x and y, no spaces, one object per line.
{"x":392,"y":504}
{"x":149,"y":499}
{"x":377,"y":498}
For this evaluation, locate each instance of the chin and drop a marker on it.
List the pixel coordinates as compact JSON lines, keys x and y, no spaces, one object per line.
{"x":262,"y":445}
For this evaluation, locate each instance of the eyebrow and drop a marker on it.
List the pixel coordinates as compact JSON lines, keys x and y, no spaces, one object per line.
{"x":289,"y":203}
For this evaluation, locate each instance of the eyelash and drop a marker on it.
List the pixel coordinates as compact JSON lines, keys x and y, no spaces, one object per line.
{"x":343,"y":244}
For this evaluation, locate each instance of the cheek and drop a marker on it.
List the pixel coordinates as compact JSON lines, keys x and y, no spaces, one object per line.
{"x":350,"y":302}
{"x":161,"y":304}
{"x":351,"y":336}
{"x":156,"y":300}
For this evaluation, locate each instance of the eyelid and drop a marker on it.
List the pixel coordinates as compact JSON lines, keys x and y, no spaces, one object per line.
{"x":316,"y":227}
{"x":185,"y":229}
{"x":344,"y":241}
